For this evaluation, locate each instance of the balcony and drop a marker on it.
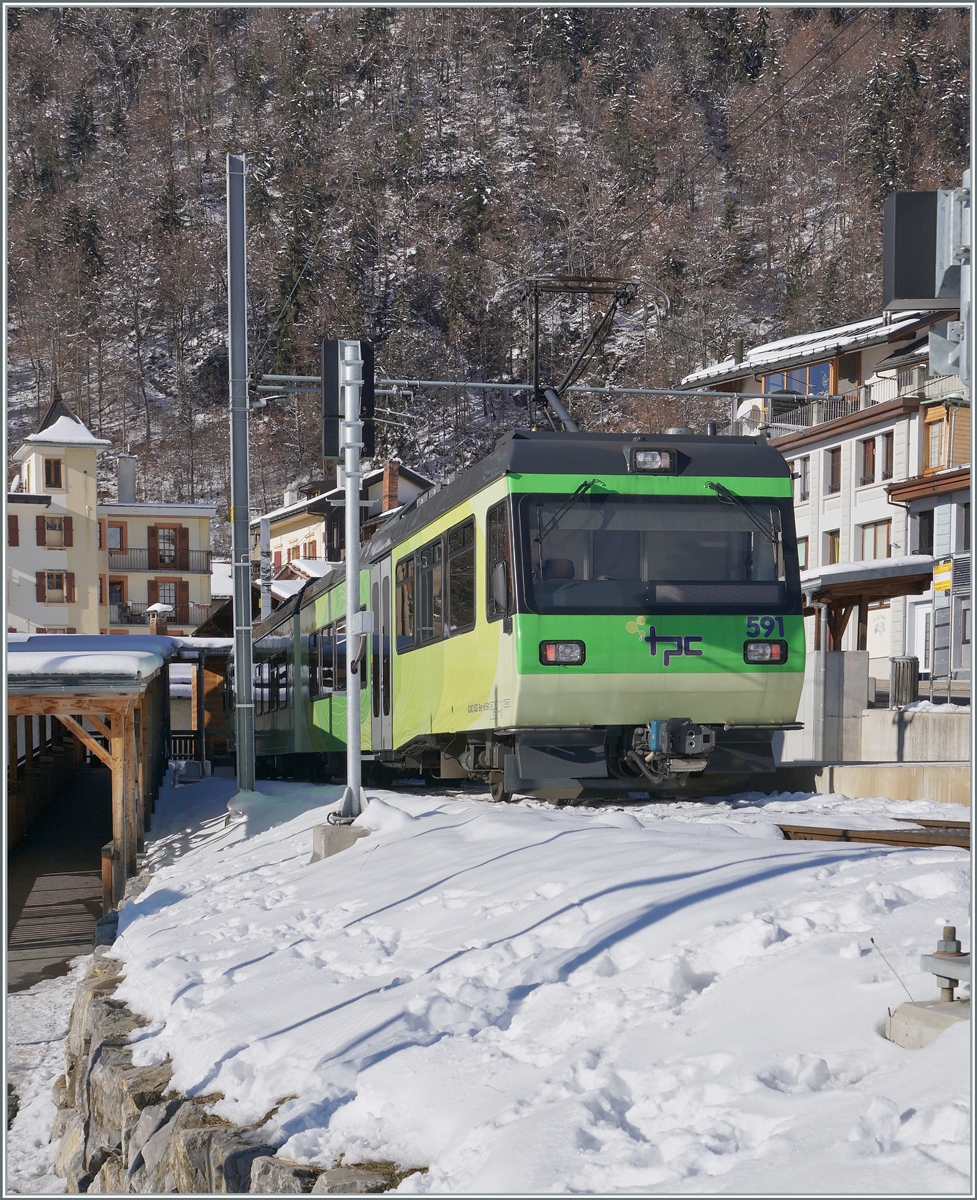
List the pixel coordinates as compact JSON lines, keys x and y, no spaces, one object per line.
{"x":190,"y":562}
{"x":912,"y":382}
{"x":182,"y":614}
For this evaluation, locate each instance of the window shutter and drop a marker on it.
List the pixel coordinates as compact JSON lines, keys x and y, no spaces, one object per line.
{"x":183,"y":601}
{"x":13,"y":530}
{"x":72,"y":629}
{"x":183,"y":549}
{"x":41,"y":532}
{"x":152,"y":591}
{"x":152,"y":541}
{"x":69,"y":532}
{"x":102,"y":543}
{"x":312,"y":549}
{"x":278,"y":559}
{"x":41,"y":582}
{"x":69,"y":587}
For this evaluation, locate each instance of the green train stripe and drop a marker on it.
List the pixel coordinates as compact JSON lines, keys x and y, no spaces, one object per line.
{"x":653,"y":485}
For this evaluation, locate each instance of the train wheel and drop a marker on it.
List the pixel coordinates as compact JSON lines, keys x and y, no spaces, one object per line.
{"x":497,"y":791}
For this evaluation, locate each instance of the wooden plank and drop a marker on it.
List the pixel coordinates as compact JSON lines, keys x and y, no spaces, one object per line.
{"x":927,"y":824}
{"x":133,"y":829}
{"x":41,"y":705}
{"x":100,"y":725}
{"x":86,"y":738}
{"x":118,"y":818}
{"x":892,"y":837}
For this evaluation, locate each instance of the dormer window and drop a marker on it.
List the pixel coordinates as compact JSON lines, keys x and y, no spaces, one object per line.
{"x":53,"y":473}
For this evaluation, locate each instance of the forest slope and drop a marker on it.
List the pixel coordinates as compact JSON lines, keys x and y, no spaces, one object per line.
{"x":408,"y":167}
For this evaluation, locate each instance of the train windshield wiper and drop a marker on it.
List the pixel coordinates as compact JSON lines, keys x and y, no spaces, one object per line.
{"x":728,"y":497}
{"x":564,"y":508}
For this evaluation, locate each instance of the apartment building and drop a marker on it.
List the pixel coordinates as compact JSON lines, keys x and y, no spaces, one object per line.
{"x":77,"y":565}
{"x":879,"y":450}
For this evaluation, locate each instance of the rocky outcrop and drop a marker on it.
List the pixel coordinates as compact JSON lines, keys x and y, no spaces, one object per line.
{"x":123,"y":1129}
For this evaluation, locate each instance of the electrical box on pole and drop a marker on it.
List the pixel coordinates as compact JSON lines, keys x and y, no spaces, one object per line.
{"x":332,"y":400}
{"x":950,"y":344}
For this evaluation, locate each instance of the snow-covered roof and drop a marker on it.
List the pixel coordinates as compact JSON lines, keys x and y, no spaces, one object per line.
{"x":31,"y":670}
{"x":311,"y":568}
{"x":809,"y":347}
{"x":221,"y":578}
{"x":370,"y":479}
{"x":869,"y":568}
{"x":284,"y":589}
{"x":66,"y":432}
{"x":150,"y":508}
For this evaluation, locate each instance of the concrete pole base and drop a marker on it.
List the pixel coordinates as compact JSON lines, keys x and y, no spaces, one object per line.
{"x":914,"y":1026}
{"x":328,"y":840}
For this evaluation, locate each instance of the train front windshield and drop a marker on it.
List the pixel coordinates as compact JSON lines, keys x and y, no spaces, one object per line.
{"x":627,"y":554}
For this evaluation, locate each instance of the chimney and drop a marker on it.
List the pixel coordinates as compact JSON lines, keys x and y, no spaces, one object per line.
{"x":391,"y":485}
{"x":127,"y":478}
{"x":738,"y":350}
{"x":158,"y":616}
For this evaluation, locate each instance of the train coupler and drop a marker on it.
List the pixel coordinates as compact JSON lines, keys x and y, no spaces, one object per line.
{"x":675,"y":747}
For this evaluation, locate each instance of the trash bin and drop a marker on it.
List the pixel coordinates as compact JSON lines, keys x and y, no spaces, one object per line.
{"x":903,"y":680}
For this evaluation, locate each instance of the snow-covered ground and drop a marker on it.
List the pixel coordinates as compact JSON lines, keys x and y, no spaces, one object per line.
{"x":36,"y":1026}
{"x":527,"y":999}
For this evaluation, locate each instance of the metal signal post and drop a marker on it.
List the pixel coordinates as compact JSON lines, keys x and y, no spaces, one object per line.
{"x":358,"y":623}
{"x":237,"y":356}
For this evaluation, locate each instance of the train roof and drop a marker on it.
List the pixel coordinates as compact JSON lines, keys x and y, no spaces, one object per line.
{"x":530,"y":452}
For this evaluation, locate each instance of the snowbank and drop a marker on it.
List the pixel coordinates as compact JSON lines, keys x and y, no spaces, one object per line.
{"x":930,"y":706}
{"x":528,"y":999}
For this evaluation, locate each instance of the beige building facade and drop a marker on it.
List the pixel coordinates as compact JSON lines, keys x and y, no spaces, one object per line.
{"x":75,"y":565}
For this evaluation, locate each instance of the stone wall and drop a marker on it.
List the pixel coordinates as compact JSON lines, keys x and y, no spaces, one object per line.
{"x":123,"y":1129}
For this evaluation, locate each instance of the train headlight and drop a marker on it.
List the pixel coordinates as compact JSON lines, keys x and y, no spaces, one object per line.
{"x":654,"y":460}
{"x":765,"y":652}
{"x":562,"y":654}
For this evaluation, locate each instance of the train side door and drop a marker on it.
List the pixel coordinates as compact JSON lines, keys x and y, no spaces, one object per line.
{"x":381,"y":683}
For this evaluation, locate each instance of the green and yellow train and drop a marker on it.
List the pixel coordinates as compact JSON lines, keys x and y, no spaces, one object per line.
{"x":576,"y":612}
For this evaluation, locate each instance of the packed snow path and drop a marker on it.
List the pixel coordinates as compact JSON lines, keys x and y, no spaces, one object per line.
{"x":528,"y":999}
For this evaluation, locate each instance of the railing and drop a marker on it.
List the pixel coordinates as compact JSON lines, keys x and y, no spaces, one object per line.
{"x":136,"y":614}
{"x":183,"y":744}
{"x":911,"y":382}
{"x":192,"y":562}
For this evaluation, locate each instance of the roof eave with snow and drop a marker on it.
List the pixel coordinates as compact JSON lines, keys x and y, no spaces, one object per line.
{"x":806,"y":348}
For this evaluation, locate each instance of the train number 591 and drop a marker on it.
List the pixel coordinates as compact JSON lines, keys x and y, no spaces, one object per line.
{"x":764,"y":626}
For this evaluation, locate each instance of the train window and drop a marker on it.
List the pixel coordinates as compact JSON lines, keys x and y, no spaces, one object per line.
{"x":385,"y":647}
{"x":339,"y":658}
{"x":405,"y":604}
{"x":326,"y":643}
{"x":257,"y":698}
{"x":429,"y":588}
{"x":375,"y":649}
{"x":461,"y":577}
{"x":282,"y":671}
{"x":497,"y":551}
{"x":314,"y":671}
{"x":647,"y":554}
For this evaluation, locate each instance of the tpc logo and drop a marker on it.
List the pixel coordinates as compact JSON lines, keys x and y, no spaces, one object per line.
{"x":682,"y":645}
{"x":677,"y":644}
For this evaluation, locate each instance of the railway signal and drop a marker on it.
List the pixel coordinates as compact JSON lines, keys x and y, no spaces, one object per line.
{"x":332,"y":409}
